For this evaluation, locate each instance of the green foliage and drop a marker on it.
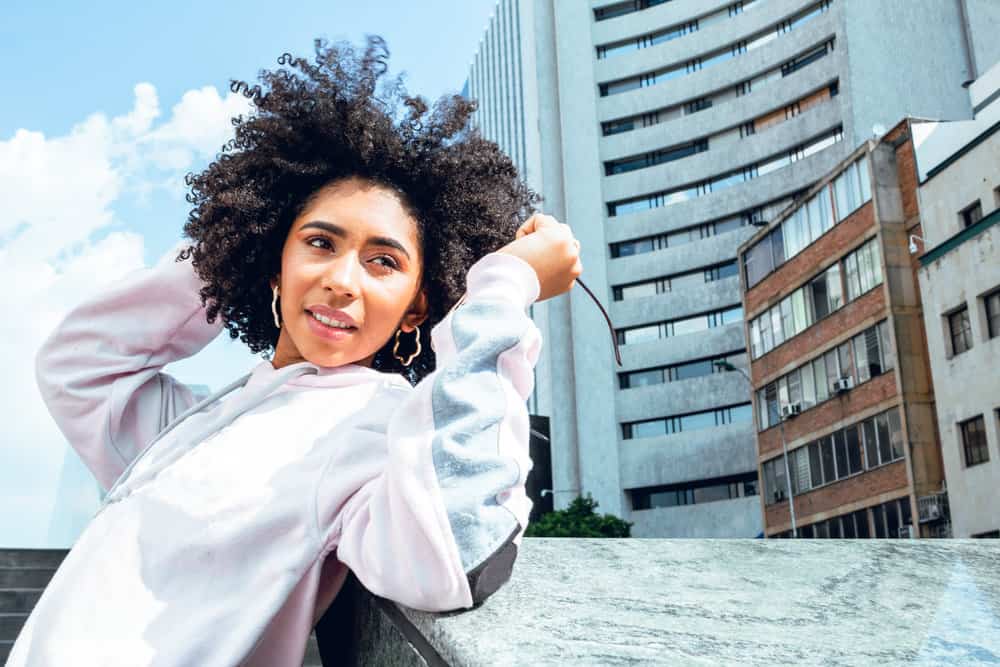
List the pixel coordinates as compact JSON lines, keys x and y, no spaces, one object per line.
{"x":579,"y":520}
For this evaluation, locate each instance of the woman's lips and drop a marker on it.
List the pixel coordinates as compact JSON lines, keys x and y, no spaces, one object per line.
{"x":326,"y":331}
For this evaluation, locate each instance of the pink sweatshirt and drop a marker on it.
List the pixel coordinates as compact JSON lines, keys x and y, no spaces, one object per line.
{"x":227,"y":538}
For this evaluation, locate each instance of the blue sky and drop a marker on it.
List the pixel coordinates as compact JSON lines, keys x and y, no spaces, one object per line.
{"x":106,"y":105}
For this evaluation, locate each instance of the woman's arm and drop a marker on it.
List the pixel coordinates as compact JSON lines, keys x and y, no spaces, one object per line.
{"x":98,"y":373}
{"x":439,"y":527}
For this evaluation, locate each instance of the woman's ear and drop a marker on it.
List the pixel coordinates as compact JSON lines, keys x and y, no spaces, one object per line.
{"x":416,"y":314}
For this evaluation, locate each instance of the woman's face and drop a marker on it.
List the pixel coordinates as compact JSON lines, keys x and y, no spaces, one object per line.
{"x":350,"y":277}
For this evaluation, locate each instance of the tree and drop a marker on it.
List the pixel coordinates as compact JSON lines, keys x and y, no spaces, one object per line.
{"x":579,"y":520}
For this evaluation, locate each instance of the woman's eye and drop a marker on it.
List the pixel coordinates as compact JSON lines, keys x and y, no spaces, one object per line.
{"x":386,"y":261}
{"x":319,"y":242}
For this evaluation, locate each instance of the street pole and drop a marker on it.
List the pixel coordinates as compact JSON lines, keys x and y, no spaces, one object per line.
{"x":788,"y":473}
{"x":726,"y":366}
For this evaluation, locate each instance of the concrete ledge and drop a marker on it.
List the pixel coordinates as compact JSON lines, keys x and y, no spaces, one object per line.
{"x":715,"y":602}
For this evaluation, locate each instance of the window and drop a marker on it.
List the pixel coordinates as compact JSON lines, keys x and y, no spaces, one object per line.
{"x":971,"y":214}
{"x":960,"y":331}
{"x":648,"y":428}
{"x":974,"y":441}
{"x":990,"y":534}
{"x":991,"y":304}
{"x":691,"y":493}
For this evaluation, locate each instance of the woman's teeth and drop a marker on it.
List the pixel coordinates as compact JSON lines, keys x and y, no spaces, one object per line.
{"x":331,"y":323}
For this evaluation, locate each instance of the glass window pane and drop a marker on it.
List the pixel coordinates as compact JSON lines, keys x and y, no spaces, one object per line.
{"x":693,"y":369}
{"x":690,"y":325}
{"x":815,"y":465}
{"x":820,"y":297}
{"x":873,"y":352}
{"x":871,"y":443}
{"x":827,"y":458}
{"x":708,"y":494}
{"x":885,"y":343}
{"x":741,"y":414}
{"x":878,"y":514}
{"x":794,"y":387}
{"x":645,"y":378}
{"x":799,"y":317}
{"x":755,"y":343}
{"x":787,"y":325}
{"x":892,"y":518}
{"x":834,"y":288}
{"x":636,"y":291}
{"x":860,"y":349}
{"x":642,"y":334}
{"x":846,"y":363}
{"x":822,"y":382}
{"x":884,"y":444}
{"x":766,"y":332}
{"x":649,"y":429}
{"x":861,"y":523}
{"x":866,"y":186}
{"x":808,"y":386}
{"x":895,"y":434}
{"x":854,"y":454}
{"x":840,"y":448}
{"x":776,"y":329}
{"x":832,"y":368}
{"x":852,"y":276}
{"x":697,"y":421}
{"x":847,"y":522}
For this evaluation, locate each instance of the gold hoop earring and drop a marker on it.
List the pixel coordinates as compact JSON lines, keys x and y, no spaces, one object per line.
{"x":395,"y":349}
{"x":274,"y":307}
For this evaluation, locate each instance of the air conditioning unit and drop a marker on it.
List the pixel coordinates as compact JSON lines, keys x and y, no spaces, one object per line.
{"x":907,"y":532}
{"x":841,"y":385}
{"x":791,"y":410}
{"x":929,"y":508}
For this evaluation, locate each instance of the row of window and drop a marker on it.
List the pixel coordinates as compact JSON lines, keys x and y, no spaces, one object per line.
{"x":832,"y":204}
{"x":650,"y":118}
{"x":726,"y":180}
{"x":755,"y":216}
{"x":747,"y":129}
{"x":674,"y":282}
{"x":816,"y":299}
{"x":889,"y":520}
{"x":974,"y":444}
{"x":673,"y":32}
{"x":649,"y":428}
{"x":863,"y":357}
{"x":622,"y":8}
{"x":733,"y":50}
{"x":654,"y":158}
{"x":679,"y":327}
{"x":960,"y":326}
{"x":694,"y":493}
{"x":685,"y":371}
{"x":875,"y":442}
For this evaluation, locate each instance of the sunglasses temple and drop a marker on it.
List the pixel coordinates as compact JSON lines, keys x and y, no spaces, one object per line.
{"x":611,"y":327}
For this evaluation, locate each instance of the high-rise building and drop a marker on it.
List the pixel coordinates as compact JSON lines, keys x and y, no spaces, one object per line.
{"x":844,"y":404}
{"x":959,"y":170}
{"x":663,"y":131}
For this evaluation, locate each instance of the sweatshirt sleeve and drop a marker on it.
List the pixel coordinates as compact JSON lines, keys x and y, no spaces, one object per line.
{"x":439,"y":527}
{"x":99,"y":371}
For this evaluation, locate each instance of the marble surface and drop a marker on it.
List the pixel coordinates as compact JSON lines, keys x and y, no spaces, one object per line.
{"x":733,"y":602}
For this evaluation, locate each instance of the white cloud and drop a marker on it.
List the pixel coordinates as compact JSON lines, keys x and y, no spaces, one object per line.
{"x":60,"y":242}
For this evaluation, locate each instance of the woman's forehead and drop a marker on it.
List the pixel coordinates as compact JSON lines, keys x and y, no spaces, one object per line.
{"x":363,"y":208}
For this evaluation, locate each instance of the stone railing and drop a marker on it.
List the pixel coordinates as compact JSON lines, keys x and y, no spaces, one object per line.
{"x":711,"y":602}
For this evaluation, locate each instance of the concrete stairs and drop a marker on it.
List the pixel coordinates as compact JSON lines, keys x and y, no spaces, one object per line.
{"x":24,"y":573}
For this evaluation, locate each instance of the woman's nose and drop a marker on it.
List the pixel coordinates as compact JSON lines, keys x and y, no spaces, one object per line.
{"x":342,"y":275}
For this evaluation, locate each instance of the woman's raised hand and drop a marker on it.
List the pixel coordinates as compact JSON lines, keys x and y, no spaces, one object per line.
{"x":550,"y":248}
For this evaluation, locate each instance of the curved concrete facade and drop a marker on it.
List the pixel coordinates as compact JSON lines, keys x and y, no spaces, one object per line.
{"x":800,"y":90}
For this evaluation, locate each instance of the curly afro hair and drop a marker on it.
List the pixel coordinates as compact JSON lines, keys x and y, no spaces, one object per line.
{"x":314,"y":123}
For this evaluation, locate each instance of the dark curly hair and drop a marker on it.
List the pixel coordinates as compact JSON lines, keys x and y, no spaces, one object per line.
{"x":315,"y":123}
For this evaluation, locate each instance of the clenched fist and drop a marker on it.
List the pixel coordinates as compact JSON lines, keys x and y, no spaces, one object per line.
{"x":550,"y":248}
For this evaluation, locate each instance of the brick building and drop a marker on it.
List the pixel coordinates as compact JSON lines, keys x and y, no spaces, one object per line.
{"x":839,"y":366}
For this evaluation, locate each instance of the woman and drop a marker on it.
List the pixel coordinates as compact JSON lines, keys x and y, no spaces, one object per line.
{"x":333,"y":233}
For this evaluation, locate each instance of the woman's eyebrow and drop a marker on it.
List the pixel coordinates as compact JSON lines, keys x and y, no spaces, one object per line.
{"x":339,"y":231}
